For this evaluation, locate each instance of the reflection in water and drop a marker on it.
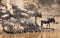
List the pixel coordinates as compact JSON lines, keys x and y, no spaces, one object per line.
{"x":54,"y":34}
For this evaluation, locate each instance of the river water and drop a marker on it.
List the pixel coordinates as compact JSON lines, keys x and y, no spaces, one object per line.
{"x":50,"y":34}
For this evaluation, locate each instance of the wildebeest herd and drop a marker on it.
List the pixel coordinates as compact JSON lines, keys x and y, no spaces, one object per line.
{"x":21,"y":22}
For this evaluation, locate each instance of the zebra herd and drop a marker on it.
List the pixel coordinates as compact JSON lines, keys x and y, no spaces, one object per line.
{"x":20,"y":23}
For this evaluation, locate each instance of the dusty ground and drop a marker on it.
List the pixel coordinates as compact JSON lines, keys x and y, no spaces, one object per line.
{"x":52,"y":25}
{"x":53,"y":9}
{"x":54,"y":34}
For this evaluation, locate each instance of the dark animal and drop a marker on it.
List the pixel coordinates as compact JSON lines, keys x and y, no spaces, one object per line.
{"x":36,"y":14}
{"x":47,"y":21}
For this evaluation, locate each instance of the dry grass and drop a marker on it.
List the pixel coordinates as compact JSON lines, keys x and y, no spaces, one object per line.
{"x":52,"y":34}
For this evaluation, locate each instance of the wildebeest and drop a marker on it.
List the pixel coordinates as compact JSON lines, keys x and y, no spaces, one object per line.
{"x":47,"y":21}
{"x":37,"y":14}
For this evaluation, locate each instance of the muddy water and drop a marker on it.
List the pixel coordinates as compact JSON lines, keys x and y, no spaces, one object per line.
{"x":53,"y":34}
